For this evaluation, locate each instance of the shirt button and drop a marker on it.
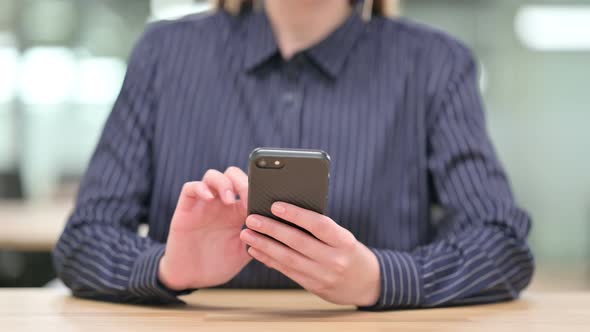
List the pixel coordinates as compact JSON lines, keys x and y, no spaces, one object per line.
{"x":289,"y":99}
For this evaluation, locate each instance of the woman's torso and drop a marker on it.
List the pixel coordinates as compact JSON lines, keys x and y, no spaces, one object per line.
{"x":361,"y":95}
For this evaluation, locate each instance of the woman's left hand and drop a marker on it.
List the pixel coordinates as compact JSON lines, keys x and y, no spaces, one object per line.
{"x":334,"y":265}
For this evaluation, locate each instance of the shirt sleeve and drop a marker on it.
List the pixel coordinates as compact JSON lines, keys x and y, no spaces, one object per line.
{"x":480,"y":253}
{"x":99,"y":254}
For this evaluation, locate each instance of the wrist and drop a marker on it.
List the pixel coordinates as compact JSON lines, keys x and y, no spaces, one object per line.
{"x":167,"y":278}
{"x":372,"y":289}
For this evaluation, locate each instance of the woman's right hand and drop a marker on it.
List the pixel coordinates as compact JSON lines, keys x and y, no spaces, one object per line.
{"x":204,"y":247}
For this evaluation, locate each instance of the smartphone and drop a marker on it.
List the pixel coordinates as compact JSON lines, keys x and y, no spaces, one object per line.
{"x":296,"y":176}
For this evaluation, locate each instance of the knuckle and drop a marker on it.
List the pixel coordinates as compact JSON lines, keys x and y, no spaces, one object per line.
{"x":297,"y":242}
{"x":220,"y":180}
{"x":186,"y":187}
{"x":329,"y":282}
{"x":323,"y":223}
{"x":231,"y":170}
{"x":210,"y":173}
{"x":189,"y":187}
{"x":348,"y":240}
{"x":235,"y":174}
{"x":288,"y":259}
{"x":341,"y":264}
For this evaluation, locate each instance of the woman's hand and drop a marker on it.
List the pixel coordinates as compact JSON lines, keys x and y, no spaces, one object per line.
{"x":334,"y":265}
{"x":204,"y":247}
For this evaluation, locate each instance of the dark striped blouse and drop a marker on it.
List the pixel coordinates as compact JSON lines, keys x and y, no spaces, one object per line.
{"x":394,"y":103}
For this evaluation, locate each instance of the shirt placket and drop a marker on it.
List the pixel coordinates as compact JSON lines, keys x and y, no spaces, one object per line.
{"x":290,"y":103}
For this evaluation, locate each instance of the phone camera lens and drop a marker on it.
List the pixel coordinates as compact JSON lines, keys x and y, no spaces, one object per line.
{"x":262,"y":163}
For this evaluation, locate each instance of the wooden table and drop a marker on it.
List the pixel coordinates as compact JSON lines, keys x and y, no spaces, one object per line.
{"x":26,"y":226}
{"x":231,"y":310}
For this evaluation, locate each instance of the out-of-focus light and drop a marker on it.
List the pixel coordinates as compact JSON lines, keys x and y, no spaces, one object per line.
{"x":52,"y":21}
{"x":47,"y":75}
{"x":99,"y":80}
{"x":166,"y":9}
{"x":8,"y":73}
{"x":554,"y":28}
{"x":7,"y":38}
{"x":483,"y":78}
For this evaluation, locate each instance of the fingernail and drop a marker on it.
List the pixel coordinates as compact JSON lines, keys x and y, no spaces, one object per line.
{"x":253,"y":222}
{"x":229,"y":195}
{"x":278,"y":208}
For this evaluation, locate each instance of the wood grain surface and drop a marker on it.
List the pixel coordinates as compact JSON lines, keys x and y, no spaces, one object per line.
{"x":293,"y":310}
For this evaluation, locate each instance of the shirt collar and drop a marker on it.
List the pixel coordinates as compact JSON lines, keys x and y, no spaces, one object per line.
{"x":330,"y":54}
{"x":259,"y":40}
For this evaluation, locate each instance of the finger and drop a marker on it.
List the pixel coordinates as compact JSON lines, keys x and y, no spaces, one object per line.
{"x":317,"y":224}
{"x":300,"y":278}
{"x":192,"y":192}
{"x":283,"y":254}
{"x":240,"y":183}
{"x":221,"y":185}
{"x":292,"y":237}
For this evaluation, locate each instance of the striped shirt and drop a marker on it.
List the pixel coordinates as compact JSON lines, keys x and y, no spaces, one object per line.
{"x":394,"y":103}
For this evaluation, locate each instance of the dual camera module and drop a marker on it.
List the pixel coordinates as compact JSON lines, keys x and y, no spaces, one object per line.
{"x":273,"y":163}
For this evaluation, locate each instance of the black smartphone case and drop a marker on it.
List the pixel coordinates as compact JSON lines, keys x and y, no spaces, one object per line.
{"x":302,"y":180}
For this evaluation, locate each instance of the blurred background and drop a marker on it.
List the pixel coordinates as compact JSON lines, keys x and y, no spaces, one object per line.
{"x":62,"y":63}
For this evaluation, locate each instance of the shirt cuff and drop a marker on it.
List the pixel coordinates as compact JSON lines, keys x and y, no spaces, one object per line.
{"x":401,"y":281}
{"x":144,"y":282}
